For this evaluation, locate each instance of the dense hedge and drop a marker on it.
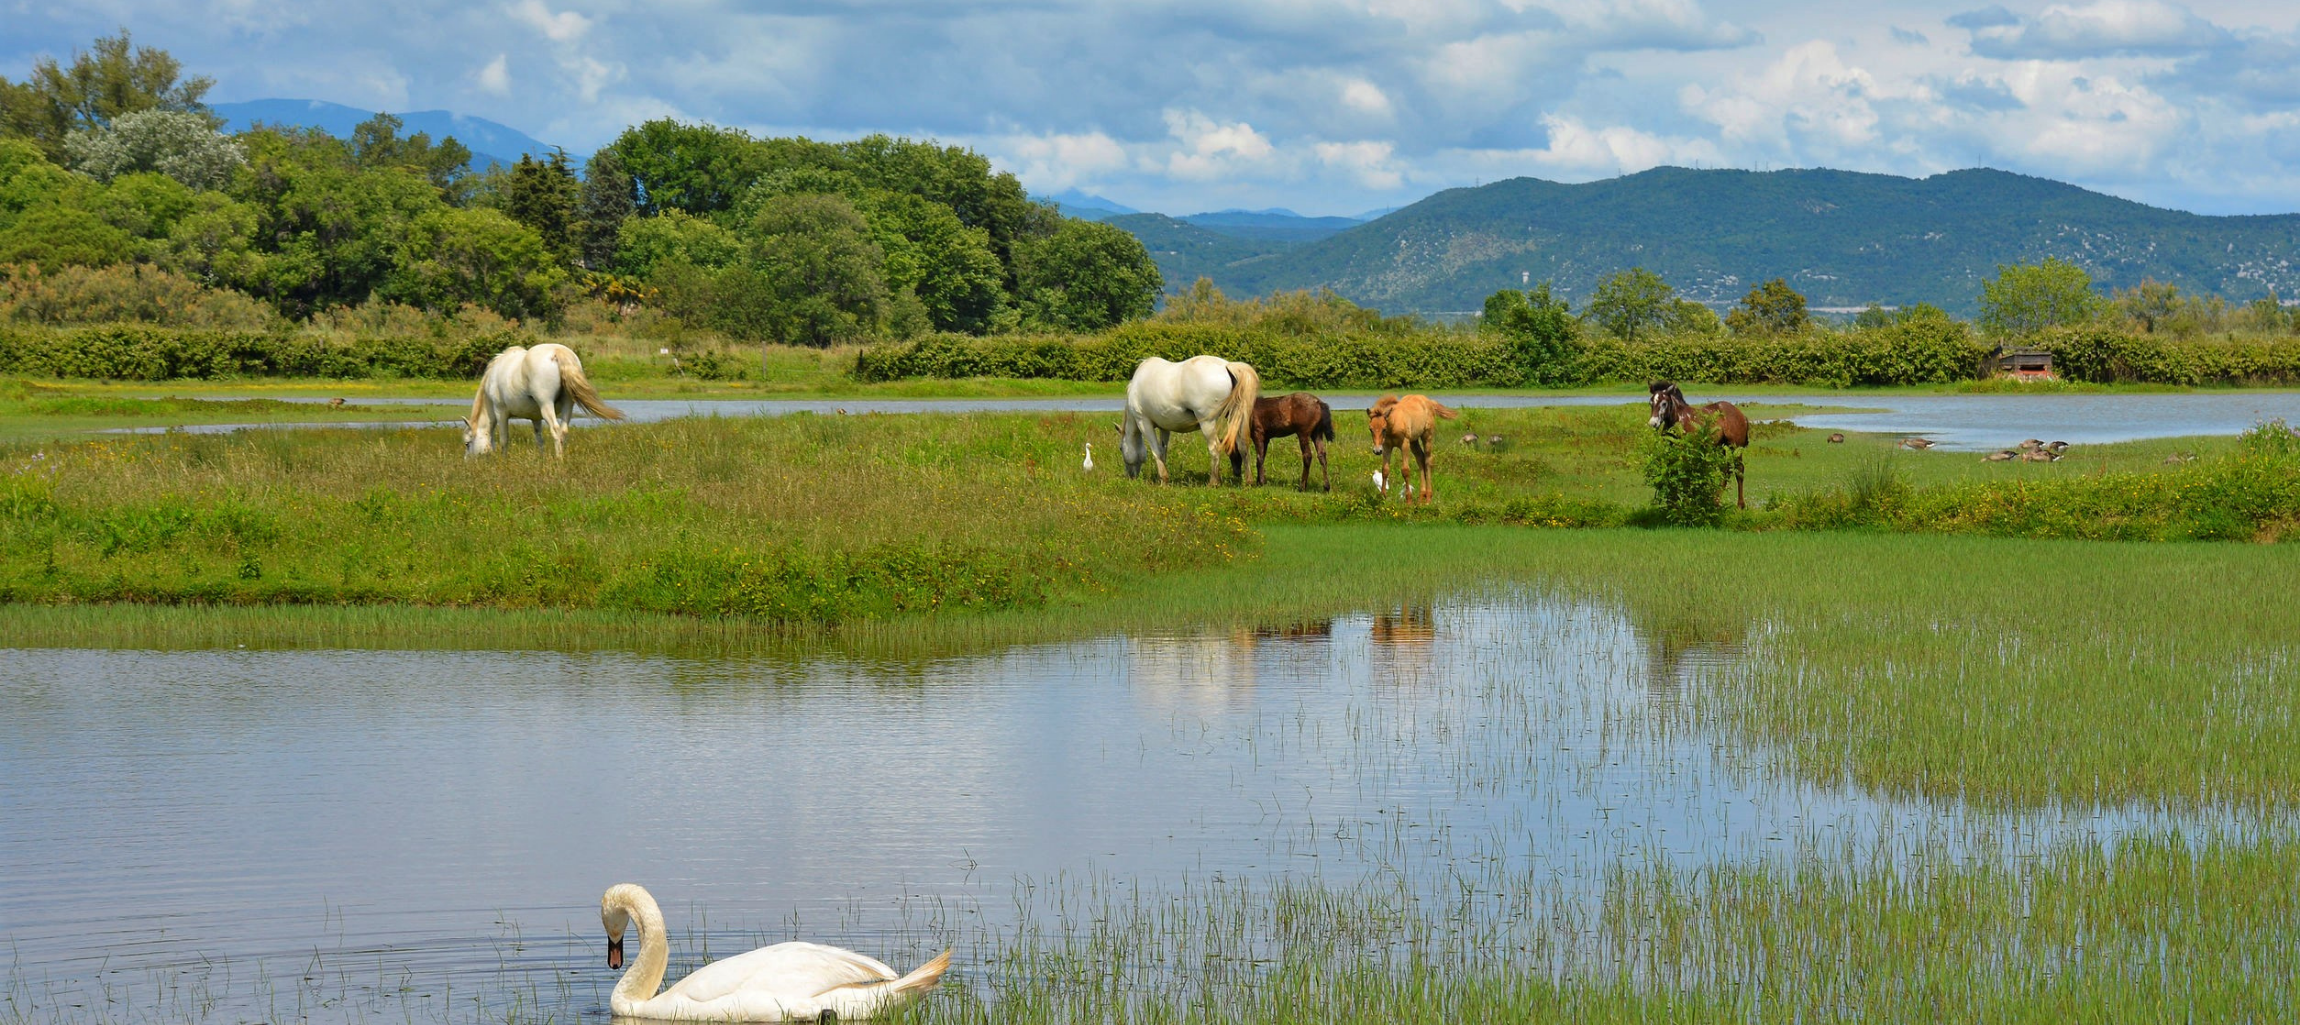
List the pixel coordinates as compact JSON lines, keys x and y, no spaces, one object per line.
{"x":1916,"y":353}
{"x":2104,"y":356}
{"x":143,"y":353}
{"x":1424,"y":359}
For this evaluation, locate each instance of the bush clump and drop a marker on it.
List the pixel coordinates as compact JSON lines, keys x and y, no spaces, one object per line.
{"x":1687,"y":472}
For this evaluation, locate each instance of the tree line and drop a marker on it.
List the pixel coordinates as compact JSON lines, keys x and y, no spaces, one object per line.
{"x":2021,"y":301}
{"x":113,"y":163}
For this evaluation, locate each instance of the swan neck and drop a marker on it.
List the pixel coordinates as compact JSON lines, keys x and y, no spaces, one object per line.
{"x":645,"y":976}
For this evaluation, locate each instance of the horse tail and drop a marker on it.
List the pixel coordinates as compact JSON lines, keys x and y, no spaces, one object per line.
{"x":1443,"y":412}
{"x":571,"y":377}
{"x":1324,"y":431}
{"x":1245,"y":387}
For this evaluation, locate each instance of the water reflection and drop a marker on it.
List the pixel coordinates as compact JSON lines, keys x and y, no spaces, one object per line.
{"x":219,"y":835}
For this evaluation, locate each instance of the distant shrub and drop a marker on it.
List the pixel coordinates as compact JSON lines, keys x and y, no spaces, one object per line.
{"x":124,"y":293}
{"x":145,"y":353}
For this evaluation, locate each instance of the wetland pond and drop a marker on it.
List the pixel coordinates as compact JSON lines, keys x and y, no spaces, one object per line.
{"x":424,"y":835}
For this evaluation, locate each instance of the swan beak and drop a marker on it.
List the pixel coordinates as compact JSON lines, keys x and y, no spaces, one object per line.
{"x":615,"y":953}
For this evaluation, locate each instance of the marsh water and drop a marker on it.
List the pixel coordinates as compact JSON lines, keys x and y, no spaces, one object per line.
{"x":352,"y":835}
{"x":1971,"y":423}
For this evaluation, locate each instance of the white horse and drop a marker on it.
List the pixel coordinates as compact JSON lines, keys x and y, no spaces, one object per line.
{"x":1202,"y":393}
{"x":542,"y":384}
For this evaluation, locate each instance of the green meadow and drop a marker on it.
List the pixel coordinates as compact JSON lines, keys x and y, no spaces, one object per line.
{"x":2005,"y":670}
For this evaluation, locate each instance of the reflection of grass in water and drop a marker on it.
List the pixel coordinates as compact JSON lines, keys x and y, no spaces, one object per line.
{"x":2005,"y":672}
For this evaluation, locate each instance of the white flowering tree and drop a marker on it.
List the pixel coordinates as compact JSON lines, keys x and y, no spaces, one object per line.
{"x":179,"y":144}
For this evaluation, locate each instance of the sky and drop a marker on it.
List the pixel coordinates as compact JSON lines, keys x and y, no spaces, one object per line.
{"x":1320,"y":107}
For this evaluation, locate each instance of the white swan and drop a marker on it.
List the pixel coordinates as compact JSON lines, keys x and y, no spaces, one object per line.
{"x":786,"y":981}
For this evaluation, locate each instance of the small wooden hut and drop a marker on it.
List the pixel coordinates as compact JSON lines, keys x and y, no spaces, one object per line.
{"x":2023,"y":364}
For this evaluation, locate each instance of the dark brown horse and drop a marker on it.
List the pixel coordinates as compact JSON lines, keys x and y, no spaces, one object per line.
{"x":1671,"y":410}
{"x":1301,"y":415}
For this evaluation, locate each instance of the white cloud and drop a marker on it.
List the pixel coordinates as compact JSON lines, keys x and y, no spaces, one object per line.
{"x":1365,"y":98}
{"x":1577,"y":150}
{"x":496,"y":76}
{"x":2097,"y":28}
{"x":1210,"y":149}
{"x":1051,"y":163}
{"x":563,"y":27}
{"x":1368,"y":162}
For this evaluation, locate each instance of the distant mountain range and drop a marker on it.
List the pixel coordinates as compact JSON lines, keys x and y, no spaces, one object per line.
{"x":490,"y":143}
{"x":1844,"y":239}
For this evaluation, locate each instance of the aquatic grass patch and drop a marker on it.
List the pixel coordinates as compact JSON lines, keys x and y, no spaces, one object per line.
{"x":2151,"y":928}
{"x":2251,"y":492}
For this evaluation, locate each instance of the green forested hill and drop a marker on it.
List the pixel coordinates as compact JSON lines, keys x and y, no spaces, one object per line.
{"x":1186,"y":252}
{"x":1842,"y":238}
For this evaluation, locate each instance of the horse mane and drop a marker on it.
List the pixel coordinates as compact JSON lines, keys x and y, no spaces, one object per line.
{"x":478,"y":403}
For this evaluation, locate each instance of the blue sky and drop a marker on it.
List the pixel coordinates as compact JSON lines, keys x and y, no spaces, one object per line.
{"x":1323,"y":107}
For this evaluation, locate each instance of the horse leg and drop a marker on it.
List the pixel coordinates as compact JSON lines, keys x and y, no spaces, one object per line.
{"x":1323,"y":471}
{"x":549,"y":417}
{"x":1422,"y":457}
{"x":1261,"y":451}
{"x":1740,"y":481}
{"x":1130,"y":445}
{"x":1213,"y":453}
{"x":1304,"y":438}
{"x":1158,"y":451}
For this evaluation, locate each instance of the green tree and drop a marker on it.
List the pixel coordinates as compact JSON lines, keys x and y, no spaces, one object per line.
{"x":2024,"y":299}
{"x":2150,"y":304}
{"x":376,"y":144}
{"x":1686,"y":317}
{"x":180,"y":145}
{"x":948,"y":267}
{"x":608,"y":200}
{"x":28,"y":180}
{"x":1540,"y":327}
{"x":146,"y":206}
{"x":544,"y":195}
{"x":693,"y":168}
{"x":449,"y":257}
{"x":55,"y":235}
{"x":1772,"y":308}
{"x":813,"y":277}
{"x":1631,"y":303}
{"x":2268,"y":313}
{"x":109,"y":79}
{"x":646,"y":244}
{"x":1087,"y":276}
{"x":328,"y":230}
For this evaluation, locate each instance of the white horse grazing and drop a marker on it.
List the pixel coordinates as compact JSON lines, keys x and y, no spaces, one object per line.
{"x":542,"y":384}
{"x":1202,"y":393}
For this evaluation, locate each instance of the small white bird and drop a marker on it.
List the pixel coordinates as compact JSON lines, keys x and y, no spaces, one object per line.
{"x":1378,"y":484}
{"x":1090,"y":457}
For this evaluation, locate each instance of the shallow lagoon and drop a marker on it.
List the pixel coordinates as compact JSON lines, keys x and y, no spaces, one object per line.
{"x":255,"y":835}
